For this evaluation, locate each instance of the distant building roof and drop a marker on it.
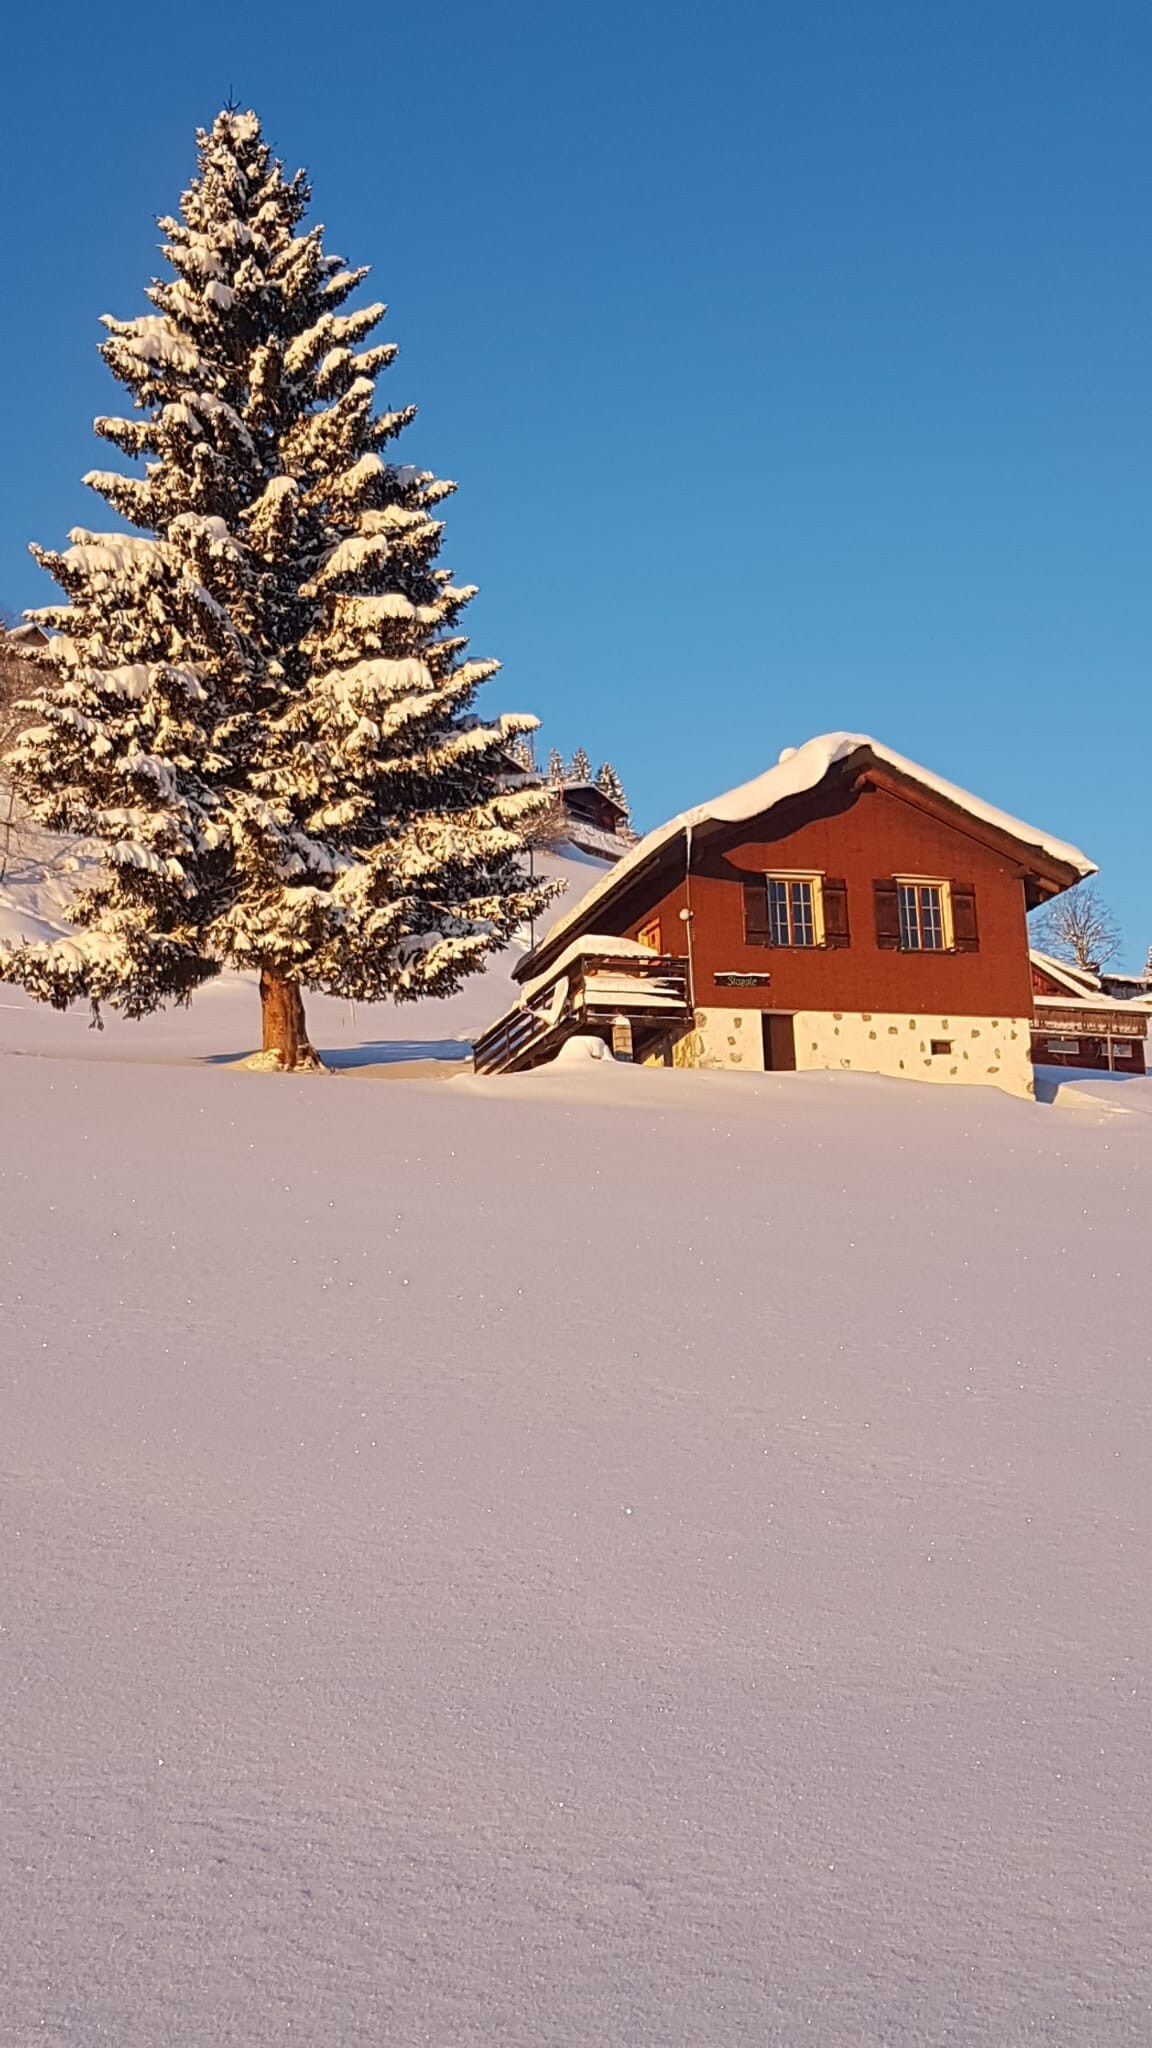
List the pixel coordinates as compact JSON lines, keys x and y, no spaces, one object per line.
{"x":1076,"y":980}
{"x":571,"y":785}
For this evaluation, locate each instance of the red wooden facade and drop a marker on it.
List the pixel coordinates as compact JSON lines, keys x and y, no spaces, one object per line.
{"x":1081,"y":1041}
{"x":858,"y":830}
{"x":874,"y":837}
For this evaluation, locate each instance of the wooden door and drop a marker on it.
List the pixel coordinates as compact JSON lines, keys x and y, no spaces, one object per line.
{"x":779,"y":1042}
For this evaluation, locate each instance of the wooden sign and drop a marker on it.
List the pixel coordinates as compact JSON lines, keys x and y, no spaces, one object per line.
{"x":742,"y":980}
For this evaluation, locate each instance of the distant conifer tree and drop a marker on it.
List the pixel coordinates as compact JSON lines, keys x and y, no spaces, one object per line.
{"x":608,"y":781}
{"x":523,"y":752}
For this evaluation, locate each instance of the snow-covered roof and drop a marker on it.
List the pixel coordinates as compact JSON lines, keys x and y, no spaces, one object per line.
{"x":590,"y":945}
{"x":598,"y":839}
{"x":1111,"y":974}
{"x":1062,"y":971}
{"x":798,"y":770}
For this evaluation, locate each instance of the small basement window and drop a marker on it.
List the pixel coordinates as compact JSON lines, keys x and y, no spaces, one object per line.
{"x":795,"y":910}
{"x":941,"y":1046}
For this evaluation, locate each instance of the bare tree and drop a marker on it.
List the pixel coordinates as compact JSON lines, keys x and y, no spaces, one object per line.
{"x":1079,"y":927}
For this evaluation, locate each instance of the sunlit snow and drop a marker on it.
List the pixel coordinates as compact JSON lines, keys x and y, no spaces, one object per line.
{"x":601,"y":1559}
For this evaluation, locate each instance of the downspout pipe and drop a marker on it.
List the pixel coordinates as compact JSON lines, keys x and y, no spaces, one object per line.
{"x":686,"y":915}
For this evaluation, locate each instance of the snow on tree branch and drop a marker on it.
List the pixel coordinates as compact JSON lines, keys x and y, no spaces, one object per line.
{"x":259,"y":701}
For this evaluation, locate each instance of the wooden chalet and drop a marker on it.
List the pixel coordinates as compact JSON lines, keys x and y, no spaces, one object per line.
{"x":846,"y":909}
{"x":587,"y":818}
{"x":1079,"y":1022}
{"x":581,"y":814}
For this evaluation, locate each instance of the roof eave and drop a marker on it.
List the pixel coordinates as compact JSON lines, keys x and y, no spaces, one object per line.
{"x":1049,"y":873}
{"x":554,"y":942}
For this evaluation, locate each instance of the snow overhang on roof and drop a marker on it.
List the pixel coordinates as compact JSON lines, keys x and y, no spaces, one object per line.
{"x":1110,"y":1005}
{"x":591,"y":946}
{"x":799,"y":770}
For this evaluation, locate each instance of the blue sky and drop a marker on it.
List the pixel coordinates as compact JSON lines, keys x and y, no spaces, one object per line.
{"x":793,"y":360}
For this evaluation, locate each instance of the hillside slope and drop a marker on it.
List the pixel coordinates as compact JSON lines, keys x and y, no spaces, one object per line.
{"x":224,"y":1020}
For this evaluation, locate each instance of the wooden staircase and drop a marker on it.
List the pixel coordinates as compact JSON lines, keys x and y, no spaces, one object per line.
{"x":593,"y":989}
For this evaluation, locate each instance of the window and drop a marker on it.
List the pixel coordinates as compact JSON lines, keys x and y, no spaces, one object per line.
{"x":803,"y":910}
{"x":794,"y":910}
{"x":924,"y":922}
{"x":1062,"y":1044}
{"x":649,"y":935}
{"x":919,"y":914}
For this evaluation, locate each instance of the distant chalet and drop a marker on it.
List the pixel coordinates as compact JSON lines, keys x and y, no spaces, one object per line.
{"x":1087,"y":1017}
{"x":847,"y":909}
{"x":587,"y":818}
{"x":582,"y":815}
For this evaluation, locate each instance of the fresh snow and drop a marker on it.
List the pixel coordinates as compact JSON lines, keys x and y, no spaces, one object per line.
{"x":224,"y":1021}
{"x":590,"y":945}
{"x":1091,"y":999}
{"x":611,"y":1558}
{"x":803,"y":768}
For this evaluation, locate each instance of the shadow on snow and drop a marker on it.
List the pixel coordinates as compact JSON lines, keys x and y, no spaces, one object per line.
{"x":386,"y":1052}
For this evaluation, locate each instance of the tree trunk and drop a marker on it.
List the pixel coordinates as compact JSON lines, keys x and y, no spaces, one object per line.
{"x":286,"y":1046}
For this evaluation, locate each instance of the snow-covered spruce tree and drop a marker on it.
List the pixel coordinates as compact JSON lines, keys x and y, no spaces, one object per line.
{"x":608,"y":781}
{"x":556,"y":766}
{"x":581,"y":768}
{"x":261,"y":711}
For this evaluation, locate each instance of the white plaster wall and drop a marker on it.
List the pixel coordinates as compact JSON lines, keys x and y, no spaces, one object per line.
{"x":723,"y":1038}
{"x":992,"y":1051}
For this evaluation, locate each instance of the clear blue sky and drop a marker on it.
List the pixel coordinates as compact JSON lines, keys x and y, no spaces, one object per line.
{"x":794,"y":360}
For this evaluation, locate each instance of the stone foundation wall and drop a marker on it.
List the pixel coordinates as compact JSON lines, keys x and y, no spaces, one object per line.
{"x":992,"y":1051}
{"x":989,"y":1051}
{"x":723,"y":1038}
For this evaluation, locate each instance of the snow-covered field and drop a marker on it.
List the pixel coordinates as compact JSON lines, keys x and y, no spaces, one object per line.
{"x":224,"y":1023}
{"x":597,"y":1560}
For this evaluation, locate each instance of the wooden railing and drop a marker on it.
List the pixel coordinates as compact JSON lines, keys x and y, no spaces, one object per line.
{"x":499,"y":1049}
{"x":651,"y":992}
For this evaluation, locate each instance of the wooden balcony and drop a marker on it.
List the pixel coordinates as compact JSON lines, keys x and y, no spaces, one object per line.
{"x":595,"y":985}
